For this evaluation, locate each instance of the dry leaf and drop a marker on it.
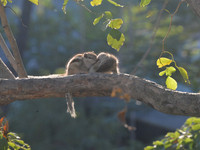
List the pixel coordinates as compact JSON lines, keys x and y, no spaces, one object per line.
{"x":5,"y":130}
{"x":121,"y":117}
{"x":1,"y":120}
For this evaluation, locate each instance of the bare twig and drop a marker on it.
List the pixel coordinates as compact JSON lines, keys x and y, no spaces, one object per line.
{"x":8,"y":53}
{"x":77,"y":2}
{"x":152,"y":38}
{"x":163,"y":42}
{"x":16,"y":15}
{"x":20,"y":67}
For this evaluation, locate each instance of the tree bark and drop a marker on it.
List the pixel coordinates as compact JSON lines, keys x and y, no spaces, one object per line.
{"x":89,"y":85}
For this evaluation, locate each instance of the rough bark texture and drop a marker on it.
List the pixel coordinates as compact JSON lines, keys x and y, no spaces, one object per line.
{"x":195,"y":6}
{"x":148,"y":92}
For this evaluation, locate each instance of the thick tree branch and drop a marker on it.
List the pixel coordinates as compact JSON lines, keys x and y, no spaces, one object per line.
{"x":21,"y":71}
{"x":148,"y":92}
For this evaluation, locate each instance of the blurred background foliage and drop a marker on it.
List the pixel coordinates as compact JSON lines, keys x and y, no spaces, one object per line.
{"x":51,"y":38}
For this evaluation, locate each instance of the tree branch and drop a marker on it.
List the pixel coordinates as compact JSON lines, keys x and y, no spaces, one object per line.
{"x":8,"y":53}
{"x":148,"y":92}
{"x":20,"y":67}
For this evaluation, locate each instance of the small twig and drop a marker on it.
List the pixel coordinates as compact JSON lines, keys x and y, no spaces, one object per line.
{"x":16,"y":15}
{"x":20,"y":67}
{"x":163,"y":42}
{"x":8,"y":53}
{"x":152,"y":38}
{"x":77,"y":2}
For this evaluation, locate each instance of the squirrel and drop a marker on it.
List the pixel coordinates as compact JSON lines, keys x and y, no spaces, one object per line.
{"x":106,"y":63}
{"x":78,"y":64}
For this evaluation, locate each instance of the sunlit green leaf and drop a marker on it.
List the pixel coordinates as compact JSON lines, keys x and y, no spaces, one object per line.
{"x":196,"y":120}
{"x":184,"y":74}
{"x":13,"y":135}
{"x":34,"y":2}
{"x":163,"y":62}
{"x":64,"y":6}
{"x":170,"y":70}
{"x":162,"y":73}
{"x":196,"y":127}
{"x":149,"y":148}
{"x":143,"y":3}
{"x":4,"y":2}
{"x":10,"y":1}
{"x":11,"y":144}
{"x":114,"y":3}
{"x":115,"y":39}
{"x":108,"y":15}
{"x":95,"y":2}
{"x":159,"y":143}
{"x":190,"y":120}
{"x":171,"y":83}
{"x":116,"y":23}
{"x":96,"y":20}
{"x":19,"y":142}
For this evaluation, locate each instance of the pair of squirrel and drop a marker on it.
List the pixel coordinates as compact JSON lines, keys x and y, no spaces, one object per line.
{"x":89,"y":62}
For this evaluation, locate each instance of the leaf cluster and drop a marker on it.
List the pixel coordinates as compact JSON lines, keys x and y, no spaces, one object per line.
{"x":10,"y":140}
{"x":170,"y":82}
{"x":187,"y":137}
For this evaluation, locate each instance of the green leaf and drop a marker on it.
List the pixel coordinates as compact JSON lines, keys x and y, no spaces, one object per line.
{"x":143,"y":3}
{"x":190,"y":120}
{"x":187,"y":141}
{"x":19,"y":141}
{"x":171,"y":83}
{"x":34,"y":2}
{"x":96,"y":20}
{"x":115,"y":39}
{"x":184,"y":74}
{"x":116,"y":23}
{"x":95,"y":2}
{"x":170,"y":70}
{"x":10,"y":1}
{"x":158,"y":143}
{"x":149,"y":148}
{"x":196,"y":120}
{"x":196,"y":127}
{"x":12,"y":145}
{"x":114,"y":3}
{"x":162,"y":73}
{"x":108,"y":15}
{"x":64,"y":6}
{"x":163,"y":62}
{"x":13,"y":135}
{"x":4,"y":2}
